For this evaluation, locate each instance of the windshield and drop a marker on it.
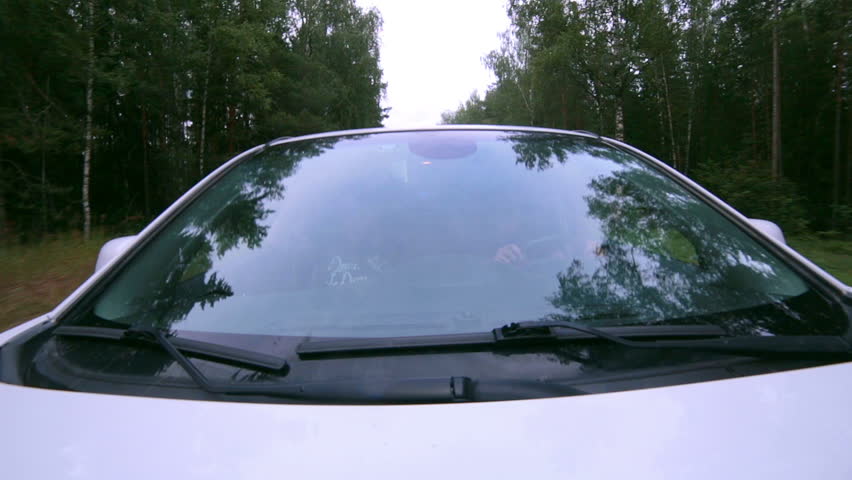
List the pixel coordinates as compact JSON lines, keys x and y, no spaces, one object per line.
{"x":430,"y":233}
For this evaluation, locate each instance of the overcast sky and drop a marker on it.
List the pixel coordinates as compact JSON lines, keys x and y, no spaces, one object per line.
{"x":432,"y":53}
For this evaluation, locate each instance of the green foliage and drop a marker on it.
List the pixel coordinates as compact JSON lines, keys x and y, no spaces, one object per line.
{"x":690,"y":81}
{"x":179,"y":87}
{"x":833,"y":255}
{"x":471,"y":112}
{"x":748,"y":188}
{"x":38,"y":275}
{"x":841,"y":216}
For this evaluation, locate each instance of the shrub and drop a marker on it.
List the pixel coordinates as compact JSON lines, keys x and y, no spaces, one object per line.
{"x":749,"y":188}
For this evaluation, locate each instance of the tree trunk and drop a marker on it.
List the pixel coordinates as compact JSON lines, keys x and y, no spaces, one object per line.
{"x":2,"y":214}
{"x":619,"y":119}
{"x":232,"y":117}
{"x":178,"y":137}
{"x":777,"y":165}
{"x":43,"y":178}
{"x":44,"y":125}
{"x":2,"y":202}
{"x":689,"y":121}
{"x":87,"y":154}
{"x":527,"y":99}
{"x":125,"y":168}
{"x":766,"y":145}
{"x":578,"y":119}
{"x":204,"y":111}
{"x":146,"y":195}
{"x":754,"y":140}
{"x":838,"y":120}
{"x":671,"y":123}
{"x":848,"y":177}
{"x":599,"y":105}
{"x":662,"y":123}
{"x":848,"y":181}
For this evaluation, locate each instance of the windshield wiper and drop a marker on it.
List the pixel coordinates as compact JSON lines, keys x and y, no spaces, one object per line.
{"x":507,"y":335}
{"x":808,"y":345}
{"x":405,"y":390}
{"x":173,"y":346}
{"x":160,"y":337}
{"x":708,"y":338}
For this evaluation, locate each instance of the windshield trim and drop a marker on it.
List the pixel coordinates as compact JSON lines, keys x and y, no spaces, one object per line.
{"x":434,"y":128}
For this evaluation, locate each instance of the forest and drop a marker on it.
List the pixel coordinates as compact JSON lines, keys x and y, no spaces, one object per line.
{"x":748,"y":97}
{"x":111,"y":109}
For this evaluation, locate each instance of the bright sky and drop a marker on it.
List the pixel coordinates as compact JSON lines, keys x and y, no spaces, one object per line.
{"x":432,"y":53}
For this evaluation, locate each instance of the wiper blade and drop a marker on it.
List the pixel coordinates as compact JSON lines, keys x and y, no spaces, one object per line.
{"x":809,"y":345}
{"x":406,"y":390}
{"x":707,"y":338}
{"x":213,"y":351}
{"x":498,"y":336}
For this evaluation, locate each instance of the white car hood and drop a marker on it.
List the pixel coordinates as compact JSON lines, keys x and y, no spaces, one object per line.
{"x":795,"y":424}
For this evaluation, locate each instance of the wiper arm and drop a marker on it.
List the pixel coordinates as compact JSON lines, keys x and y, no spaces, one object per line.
{"x":406,"y":390}
{"x":213,"y":351}
{"x":810,"y":345}
{"x":173,"y":346}
{"x":708,"y":338}
{"x":510,"y":334}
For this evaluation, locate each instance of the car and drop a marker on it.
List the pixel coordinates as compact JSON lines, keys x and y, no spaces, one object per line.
{"x":456,"y":301}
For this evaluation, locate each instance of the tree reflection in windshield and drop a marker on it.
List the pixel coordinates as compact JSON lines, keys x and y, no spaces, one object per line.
{"x":658,"y":263}
{"x":232,"y":214}
{"x":633,"y":246}
{"x":542,"y":151}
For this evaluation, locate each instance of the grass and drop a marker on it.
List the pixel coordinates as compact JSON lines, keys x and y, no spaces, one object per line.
{"x":834,"y":256}
{"x":35,"y":278}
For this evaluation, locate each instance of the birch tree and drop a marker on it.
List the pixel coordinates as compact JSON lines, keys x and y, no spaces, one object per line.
{"x":88,"y":135}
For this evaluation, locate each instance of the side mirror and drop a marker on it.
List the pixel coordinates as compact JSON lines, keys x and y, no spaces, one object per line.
{"x":112,"y":249}
{"x":769,"y":228}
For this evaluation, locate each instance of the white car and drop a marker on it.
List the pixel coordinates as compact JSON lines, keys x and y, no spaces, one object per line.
{"x":451,"y":302}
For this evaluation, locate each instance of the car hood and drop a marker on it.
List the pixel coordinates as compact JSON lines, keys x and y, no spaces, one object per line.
{"x":793,"y":424}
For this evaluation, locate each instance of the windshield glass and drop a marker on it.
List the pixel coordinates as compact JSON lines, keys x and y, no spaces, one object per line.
{"x":424,"y":233}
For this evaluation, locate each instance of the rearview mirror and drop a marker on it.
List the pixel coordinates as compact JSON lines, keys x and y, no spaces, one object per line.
{"x":769,"y":228}
{"x":112,"y":249}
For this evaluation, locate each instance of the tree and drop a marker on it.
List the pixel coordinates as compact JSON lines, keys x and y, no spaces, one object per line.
{"x":777,"y":164}
{"x":156,"y":94}
{"x":697,"y":83}
{"x":88,"y":136}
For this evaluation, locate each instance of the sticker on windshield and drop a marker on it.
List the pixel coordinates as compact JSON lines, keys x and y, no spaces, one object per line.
{"x":343,"y":273}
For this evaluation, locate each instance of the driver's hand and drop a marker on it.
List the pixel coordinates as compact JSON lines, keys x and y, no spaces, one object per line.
{"x":510,"y":253}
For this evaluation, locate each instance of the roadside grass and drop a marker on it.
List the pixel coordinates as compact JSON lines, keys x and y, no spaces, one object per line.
{"x":35,"y":278}
{"x":834,"y":256}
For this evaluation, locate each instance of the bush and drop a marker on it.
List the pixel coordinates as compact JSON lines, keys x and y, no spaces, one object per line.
{"x":749,"y":188}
